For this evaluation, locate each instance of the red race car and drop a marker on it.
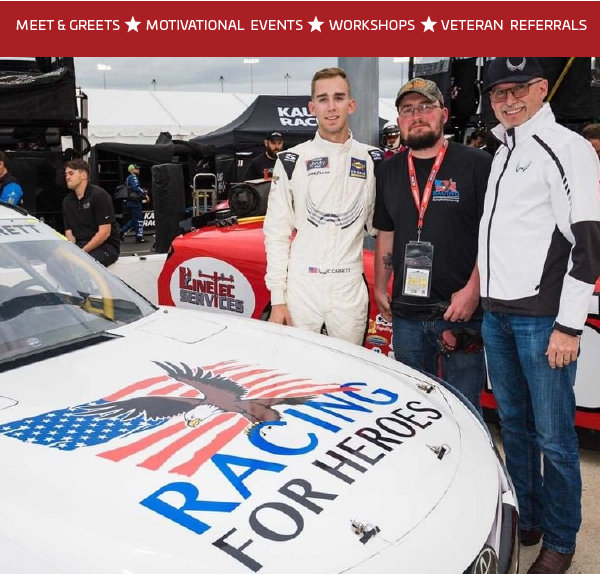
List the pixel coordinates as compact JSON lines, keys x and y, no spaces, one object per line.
{"x":223,"y":269}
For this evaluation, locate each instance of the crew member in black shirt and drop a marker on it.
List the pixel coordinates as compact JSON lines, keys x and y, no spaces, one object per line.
{"x":262,"y":165}
{"x":428,"y":206}
{"x":89,"y":215}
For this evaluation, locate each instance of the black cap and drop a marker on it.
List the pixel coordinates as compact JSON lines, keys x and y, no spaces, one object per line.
{"x":505,"y":70}
{"x":272,"y":136}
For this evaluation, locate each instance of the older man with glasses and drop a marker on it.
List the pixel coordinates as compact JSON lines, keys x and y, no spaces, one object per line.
{"x":428,"y":204}
{"x":539,"y":258}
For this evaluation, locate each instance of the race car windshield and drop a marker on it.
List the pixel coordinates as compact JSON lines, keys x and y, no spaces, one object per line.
{"x":53,"y":295}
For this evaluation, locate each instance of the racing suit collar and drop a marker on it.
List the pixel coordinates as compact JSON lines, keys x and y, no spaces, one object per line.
{"x":513,"y":136}
{"x":334,"y":147}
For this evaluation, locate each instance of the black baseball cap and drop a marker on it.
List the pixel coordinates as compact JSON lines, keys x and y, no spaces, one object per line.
{"x":272,"y":136}
{"x":505,"y":70}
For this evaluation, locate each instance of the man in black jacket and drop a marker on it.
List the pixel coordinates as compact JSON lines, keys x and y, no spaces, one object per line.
{"x":262,"y":165}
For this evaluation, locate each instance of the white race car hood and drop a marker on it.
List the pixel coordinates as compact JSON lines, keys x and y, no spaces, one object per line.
{"x":200,"y":442}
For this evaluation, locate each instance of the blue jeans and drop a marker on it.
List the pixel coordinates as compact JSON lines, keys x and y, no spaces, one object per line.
{"x":137,"y":219}
{"x":536,"y":405}
{"x":416,"y":344}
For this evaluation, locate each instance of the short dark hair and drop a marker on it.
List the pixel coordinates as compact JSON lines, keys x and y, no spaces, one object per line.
{"x":591,"y":132}
{"x":3,"y":158}
{"x":78,"y":164}
{"x":327,"y":73}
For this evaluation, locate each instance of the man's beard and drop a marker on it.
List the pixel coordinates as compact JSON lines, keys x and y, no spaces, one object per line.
{"x":424,"y":140}
{"x":272,"y":154}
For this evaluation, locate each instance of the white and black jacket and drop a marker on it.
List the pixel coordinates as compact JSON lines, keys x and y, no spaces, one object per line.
{"x":539,"y":237}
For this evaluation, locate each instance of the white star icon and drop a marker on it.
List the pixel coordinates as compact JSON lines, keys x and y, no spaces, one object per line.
{"x":429,"y":25}
{"x":133,"y":25}
{"x":315,"y":25}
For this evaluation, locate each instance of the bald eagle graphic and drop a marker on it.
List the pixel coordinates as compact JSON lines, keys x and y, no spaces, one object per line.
{"x":221,"y":393}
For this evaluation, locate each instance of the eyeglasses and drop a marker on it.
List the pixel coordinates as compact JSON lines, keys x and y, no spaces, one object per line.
{"x":518,"y":91}
{"x":424,"y":109}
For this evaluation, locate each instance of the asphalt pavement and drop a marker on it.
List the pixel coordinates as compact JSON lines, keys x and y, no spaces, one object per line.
{"x":587,"y":554}
{"x":130,"y":247}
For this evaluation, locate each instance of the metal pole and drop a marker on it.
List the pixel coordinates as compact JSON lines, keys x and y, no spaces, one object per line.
{"x":103,"y":68}
{"x":251,"y":61}
{"x":287,"y":83}
{"x":363,"y":74}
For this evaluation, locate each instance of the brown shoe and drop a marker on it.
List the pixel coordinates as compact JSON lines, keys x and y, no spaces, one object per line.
{"x":550,"y":562}
{"x":530,"y":537}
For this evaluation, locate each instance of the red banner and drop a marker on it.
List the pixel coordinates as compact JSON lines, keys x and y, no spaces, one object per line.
{"x":297,"y":28}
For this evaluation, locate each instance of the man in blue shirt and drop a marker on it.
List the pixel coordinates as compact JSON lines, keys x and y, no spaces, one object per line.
{"x":10,"y":190}
{"x":137,"y":196}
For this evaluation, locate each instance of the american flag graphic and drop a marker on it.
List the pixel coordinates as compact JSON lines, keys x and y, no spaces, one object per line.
{"x":313,"y":269}
{"x":445,"y":185}
{"x":166,"y":443}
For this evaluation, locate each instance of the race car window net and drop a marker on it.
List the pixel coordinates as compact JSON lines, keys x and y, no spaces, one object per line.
{"x":53,"y":295}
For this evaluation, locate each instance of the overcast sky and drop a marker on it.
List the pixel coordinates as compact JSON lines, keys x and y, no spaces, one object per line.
{"x":202,"y":74}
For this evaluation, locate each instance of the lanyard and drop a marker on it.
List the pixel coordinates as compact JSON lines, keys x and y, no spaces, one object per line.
{"x":423,"y":204}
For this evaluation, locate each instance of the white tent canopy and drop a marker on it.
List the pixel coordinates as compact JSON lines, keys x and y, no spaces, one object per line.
{"x":138,"y":117}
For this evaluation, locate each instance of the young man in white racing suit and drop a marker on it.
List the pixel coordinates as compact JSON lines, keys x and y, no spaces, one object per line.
{"x":324,"y":190}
